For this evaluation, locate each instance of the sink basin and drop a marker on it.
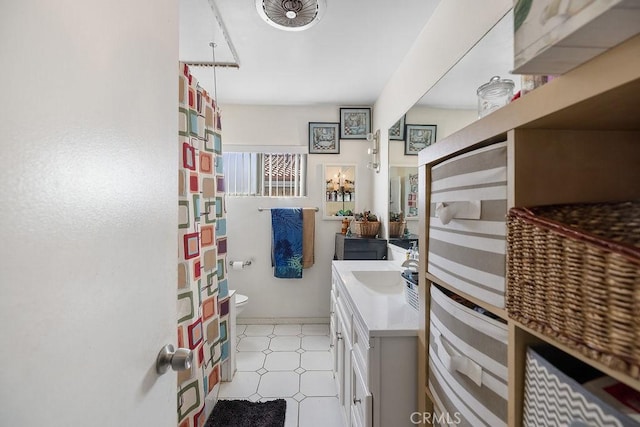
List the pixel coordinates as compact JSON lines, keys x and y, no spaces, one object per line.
{"x":384,"y":281}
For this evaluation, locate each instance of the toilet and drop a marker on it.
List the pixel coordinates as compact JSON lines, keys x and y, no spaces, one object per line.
{"x":228,"y":367}
{"x":241,"y":303}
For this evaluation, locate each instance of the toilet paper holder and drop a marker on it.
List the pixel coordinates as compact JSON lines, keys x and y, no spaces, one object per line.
{"x":244,"y":263}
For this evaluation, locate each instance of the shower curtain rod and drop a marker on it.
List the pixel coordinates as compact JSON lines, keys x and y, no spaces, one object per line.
{"x":212,"y":64}
{"x":268,"y":209}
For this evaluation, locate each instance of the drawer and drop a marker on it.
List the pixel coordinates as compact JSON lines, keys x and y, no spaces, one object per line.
{"x":333,"y":341}
{"x":361,"y":348}
{"x":467,"y":363}
{"x":467,"y":228}
{"x":561,"y":390}
{"x":361,"y":399}
{"x":441,"y":418}
{"x":333,"y":318}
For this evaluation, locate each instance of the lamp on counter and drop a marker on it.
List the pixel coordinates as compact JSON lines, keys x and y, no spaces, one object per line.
{"x":373,"y":151}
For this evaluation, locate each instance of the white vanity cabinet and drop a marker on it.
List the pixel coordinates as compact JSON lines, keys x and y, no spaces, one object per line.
{"x":333,"y":329}
{"x":340,"y":345}
{"x":374,"y":345}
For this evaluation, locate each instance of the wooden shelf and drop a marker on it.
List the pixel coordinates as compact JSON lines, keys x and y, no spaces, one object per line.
{"x":620,"y":376}
{"x":430,"y":397}
{"x":575,"y":139}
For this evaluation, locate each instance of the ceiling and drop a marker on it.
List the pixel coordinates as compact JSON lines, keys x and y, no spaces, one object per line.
{"x":345,"y":59}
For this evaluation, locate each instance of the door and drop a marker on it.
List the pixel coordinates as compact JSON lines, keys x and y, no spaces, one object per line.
{"x":333,"y":333}
{"x":88,"y":172}
{"x":361,"y":400}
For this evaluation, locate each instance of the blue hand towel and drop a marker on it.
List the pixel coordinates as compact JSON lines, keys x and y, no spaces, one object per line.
{"x":286,"y":242}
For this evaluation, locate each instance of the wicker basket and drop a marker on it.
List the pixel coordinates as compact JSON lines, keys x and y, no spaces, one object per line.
{"x":366,"y":228}
{"x":574,"y":274}
{"x":396,"y":229}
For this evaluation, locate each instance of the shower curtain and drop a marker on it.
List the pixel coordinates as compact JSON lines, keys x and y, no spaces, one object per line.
{"x":202,"y":291}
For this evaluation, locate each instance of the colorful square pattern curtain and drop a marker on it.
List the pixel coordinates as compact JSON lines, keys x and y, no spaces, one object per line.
{"x":203,"y":296}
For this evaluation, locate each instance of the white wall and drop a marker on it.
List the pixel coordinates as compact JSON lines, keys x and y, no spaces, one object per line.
{"x":88,"y":134}
{"x":249,"y":231}
{"x":447,"y":121}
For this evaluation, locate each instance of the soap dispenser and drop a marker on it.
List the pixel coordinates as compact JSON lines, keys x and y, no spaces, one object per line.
{"x":412,"y":253}
{"x":416,"y":254}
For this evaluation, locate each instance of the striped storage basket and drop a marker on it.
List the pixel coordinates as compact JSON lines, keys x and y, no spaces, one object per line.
{"x":467,"y":363}
{"x":554,"y":398}
{"x":467,"y":228}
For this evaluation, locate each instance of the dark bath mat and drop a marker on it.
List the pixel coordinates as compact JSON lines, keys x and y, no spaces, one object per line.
{"x":242,"y":413}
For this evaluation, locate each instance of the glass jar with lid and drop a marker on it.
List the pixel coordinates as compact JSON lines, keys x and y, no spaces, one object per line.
{"x":494,"y":94}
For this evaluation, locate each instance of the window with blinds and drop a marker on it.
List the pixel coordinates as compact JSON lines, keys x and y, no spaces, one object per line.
{"x":265,"y":174}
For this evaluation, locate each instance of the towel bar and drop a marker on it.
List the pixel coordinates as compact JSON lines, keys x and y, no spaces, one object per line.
{"x":268,"y":209}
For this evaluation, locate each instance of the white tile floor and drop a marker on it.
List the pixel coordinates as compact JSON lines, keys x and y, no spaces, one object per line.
{"x":290,"y":362}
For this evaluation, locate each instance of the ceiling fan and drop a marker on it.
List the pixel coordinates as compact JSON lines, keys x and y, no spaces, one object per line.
{"x":291,"y":15}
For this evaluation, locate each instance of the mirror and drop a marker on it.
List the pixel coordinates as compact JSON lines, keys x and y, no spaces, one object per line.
{"x":403,"y":202}
{"x":452,"y":104}
{"x":403,"y":191}
{"x":340,"y":191}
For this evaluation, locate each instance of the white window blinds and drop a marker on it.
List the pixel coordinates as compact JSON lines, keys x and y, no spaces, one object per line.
{"x":265,"y":174}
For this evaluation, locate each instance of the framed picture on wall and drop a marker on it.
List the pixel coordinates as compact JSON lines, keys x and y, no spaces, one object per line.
{"x":323,"y":138}
{"x":355,"y":123}
{"x":418,"y":137}
{"x":396,"y":132}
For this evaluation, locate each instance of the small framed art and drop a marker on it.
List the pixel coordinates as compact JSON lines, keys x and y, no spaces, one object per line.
{"x":323,"y":138}
{"x":396,"y":132}
{"x":355,"y":123}
{"x":418,"y":137}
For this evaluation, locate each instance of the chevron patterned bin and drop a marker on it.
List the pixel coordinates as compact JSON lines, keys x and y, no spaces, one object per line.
{"x":554,"y":397}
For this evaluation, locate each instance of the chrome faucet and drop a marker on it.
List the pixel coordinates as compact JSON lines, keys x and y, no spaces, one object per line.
{"x":411,"y":263}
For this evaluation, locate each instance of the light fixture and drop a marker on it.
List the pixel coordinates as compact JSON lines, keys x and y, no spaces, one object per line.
{"x":373,"y":151}
{"x":291,"y":15}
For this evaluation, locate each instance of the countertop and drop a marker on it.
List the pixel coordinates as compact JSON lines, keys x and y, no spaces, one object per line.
{"x":383,"y":315}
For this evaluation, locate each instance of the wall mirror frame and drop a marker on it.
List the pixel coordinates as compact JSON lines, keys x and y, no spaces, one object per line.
{"x":451,"y":103}
{"x":339,"y":190}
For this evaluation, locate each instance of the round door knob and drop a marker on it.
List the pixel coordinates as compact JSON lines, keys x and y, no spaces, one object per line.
{"x":178,"y":360}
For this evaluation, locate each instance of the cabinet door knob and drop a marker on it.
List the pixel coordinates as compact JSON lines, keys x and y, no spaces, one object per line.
{"x":356,"y":401}
{"x":339,"y":335}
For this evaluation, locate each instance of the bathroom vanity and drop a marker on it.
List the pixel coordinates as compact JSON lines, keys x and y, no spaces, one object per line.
{"x":373,"y":334}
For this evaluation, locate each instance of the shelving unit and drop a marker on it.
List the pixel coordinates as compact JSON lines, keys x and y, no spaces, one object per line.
{"x":576,"y":139}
